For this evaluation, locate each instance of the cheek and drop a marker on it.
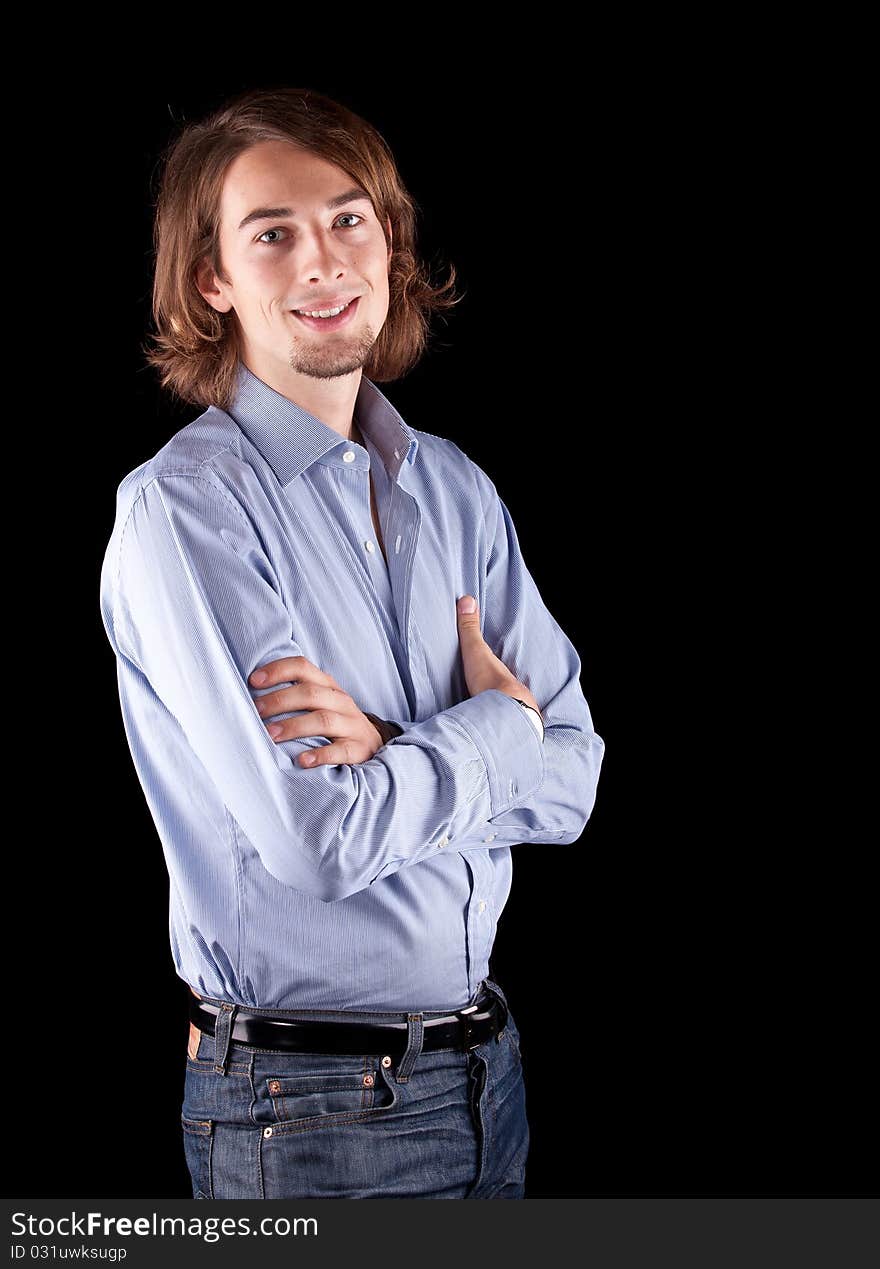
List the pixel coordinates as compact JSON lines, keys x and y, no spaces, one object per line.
{"x":380,"y":285}
{"x":265,"y":271}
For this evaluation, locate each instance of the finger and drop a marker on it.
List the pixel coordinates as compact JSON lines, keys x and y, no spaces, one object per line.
{"x":308,"y":696}
{"x":468,"y":622}
{"x":287,"y":669}
{"x":315,"y":722}
{"x":341,"y":751}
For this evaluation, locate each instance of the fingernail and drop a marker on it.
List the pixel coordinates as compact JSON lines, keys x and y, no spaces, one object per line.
{"x":467,"y":604}
{"x":274,"y":729}
{"x":309,"y":760}
{"x":259,"y":676}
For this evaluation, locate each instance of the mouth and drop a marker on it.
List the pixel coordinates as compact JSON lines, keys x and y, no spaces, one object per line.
{"x":329,"y":323}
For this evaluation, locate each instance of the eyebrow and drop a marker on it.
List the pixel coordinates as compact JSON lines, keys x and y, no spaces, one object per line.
{"x":356,"y":194}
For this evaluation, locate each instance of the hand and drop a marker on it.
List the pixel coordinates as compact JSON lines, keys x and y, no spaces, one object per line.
{"x":482,"y":669}
{"x":332,"y":712}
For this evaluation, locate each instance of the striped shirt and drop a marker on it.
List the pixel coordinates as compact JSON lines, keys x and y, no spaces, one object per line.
{"x":368,"y":886}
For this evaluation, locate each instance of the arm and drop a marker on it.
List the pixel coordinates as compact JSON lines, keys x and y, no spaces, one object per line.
{"x":520,"y":631}
{"x":197,"y":608}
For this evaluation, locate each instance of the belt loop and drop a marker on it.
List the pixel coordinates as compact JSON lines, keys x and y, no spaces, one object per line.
{"x":222,"y":1035}
{"x":492,"y":986}
{"x":496,"y":990}
{"x":415,"y":1031}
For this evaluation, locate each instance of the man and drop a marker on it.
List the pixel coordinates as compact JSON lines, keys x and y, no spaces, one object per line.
{"x":333,"y":921}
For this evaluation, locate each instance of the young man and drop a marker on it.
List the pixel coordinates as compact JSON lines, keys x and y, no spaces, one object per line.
{"x":333,"y":921}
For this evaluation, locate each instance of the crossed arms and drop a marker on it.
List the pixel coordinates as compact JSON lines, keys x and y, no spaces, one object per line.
{"x":197,"y":620}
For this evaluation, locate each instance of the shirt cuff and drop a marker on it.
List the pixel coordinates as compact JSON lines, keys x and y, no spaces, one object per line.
{"x":508,"y":744}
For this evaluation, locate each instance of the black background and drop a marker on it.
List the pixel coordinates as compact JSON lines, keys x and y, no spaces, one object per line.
{"x":689,"y":978}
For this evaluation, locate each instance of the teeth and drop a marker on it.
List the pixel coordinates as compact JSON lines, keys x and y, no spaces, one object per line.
{"x":324,"y":312}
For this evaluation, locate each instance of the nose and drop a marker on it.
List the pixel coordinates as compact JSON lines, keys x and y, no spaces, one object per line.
{"x":320,"y":258}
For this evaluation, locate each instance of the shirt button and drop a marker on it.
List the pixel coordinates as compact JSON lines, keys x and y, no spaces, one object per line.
{"x":482,"y":905}
{"x":369,"y":545}
{"x":490,"y":838}
{"x":443,"y":840}
{"x":348,"y":456}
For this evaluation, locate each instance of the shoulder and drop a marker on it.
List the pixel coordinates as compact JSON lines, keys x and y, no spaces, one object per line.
{"x":205,"y":458}
{"x":188,"y":500}
{"x":201,"y":443}
{"x":449,"y":464}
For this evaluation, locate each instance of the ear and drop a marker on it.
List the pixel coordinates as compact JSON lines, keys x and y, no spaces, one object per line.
{"x":206,"y":283}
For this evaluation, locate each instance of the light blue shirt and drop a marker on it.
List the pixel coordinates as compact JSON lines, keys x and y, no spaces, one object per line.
{"x":369,"y":886}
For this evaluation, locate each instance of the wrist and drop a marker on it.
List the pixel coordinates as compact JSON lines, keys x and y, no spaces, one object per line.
{"x":387,"y":731}
{"x":535,"y":717}
{"x":521,"y":693}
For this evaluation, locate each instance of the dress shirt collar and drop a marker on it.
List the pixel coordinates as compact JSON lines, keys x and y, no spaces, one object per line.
{"x":291,"y":439}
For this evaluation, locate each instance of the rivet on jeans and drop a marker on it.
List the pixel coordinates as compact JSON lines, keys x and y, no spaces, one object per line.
{"x":267,"y":1132}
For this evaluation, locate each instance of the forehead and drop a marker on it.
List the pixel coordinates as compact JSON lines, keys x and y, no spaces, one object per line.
{"x":278,"y":173}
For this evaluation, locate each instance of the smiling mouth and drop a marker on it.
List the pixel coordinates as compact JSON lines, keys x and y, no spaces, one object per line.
{"x":328,"y":323}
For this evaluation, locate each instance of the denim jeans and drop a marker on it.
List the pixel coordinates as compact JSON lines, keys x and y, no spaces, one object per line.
{"x":444,"y":1124}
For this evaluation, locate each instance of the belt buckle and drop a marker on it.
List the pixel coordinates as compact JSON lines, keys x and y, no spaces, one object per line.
{"x":463,"y":1016}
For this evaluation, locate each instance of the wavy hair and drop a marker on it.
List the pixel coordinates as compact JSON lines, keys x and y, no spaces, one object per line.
{"x":194,"y":348}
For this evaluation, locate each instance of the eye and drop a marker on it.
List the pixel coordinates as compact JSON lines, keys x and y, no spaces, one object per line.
{"x":345,"y":215}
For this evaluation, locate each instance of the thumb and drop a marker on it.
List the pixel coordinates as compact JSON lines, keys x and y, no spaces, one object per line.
{"x":468,"y":619}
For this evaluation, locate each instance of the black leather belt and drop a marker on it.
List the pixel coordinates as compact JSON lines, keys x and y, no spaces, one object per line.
{"x":463,"y":1029}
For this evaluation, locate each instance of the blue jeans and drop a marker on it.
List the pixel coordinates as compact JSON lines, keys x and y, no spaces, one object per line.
{"x":444,"y":1124}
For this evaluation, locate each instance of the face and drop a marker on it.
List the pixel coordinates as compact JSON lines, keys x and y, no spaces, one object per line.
{"x":313,"y":253}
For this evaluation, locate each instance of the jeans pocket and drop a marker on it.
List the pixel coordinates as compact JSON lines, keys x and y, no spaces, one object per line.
{"x":303,"y":1095}
{"x":198,"y":1139}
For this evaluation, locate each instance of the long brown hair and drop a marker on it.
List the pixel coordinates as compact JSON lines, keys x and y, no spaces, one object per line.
{"x":195,"y":348}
